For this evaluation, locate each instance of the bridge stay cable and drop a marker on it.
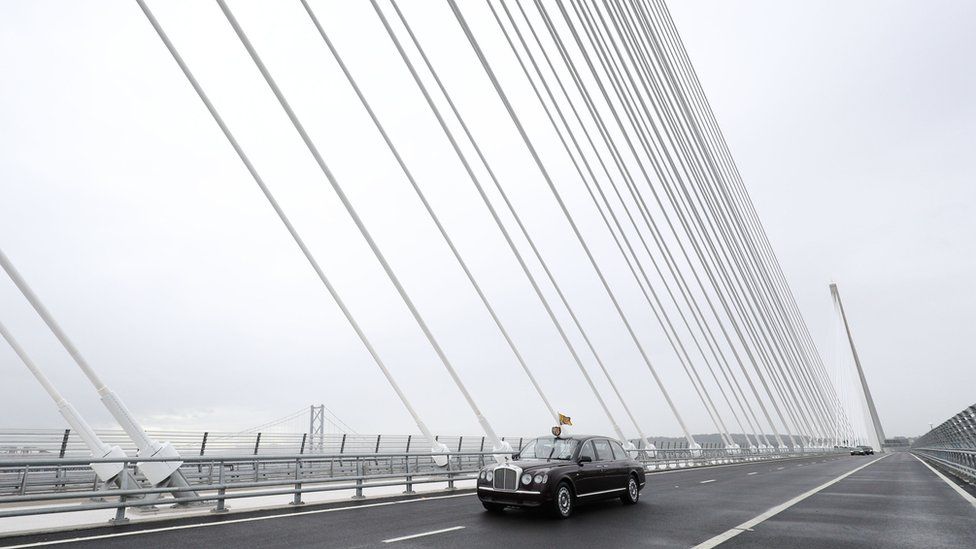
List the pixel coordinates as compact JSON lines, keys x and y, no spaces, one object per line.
{"x":642,"y":280}
{"x":653,"y":161}
{"x":549,"y":182}
{"x":494,"y":214}
{"x":771,"y":298}
{"x":430,"y":211}
{"x":689,"y":298}
{"x":497,"y":444}
{"x":628,"y":178}
{"x":106,"y":472}
{"x":428,"y":435}
{"x":692,"y":169}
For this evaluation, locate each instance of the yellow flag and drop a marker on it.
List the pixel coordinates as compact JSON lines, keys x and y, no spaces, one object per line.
{"x":565,"y":420}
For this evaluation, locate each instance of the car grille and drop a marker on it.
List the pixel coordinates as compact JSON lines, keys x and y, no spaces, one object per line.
{"x":505,"y":479}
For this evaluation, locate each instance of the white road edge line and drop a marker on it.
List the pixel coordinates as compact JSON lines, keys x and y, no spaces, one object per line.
{"x":707,"y":481}
{"x":431,"y":533}
{"x":752,"y":473}
{"x":966,"y":495}
{"x":749,"y":524}
{"x":233,"y":521}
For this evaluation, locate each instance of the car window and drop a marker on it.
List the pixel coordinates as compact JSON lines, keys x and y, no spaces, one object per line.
{"x":548,"y":448}
{"x":603,"y":451}
{"x":587,"y":450}
{"x":618,"y":450}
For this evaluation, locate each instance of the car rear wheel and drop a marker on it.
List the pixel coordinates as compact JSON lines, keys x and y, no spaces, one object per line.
{"x":633,"y":492}
{"x":564,"y":502}
{"x":493,"y":507}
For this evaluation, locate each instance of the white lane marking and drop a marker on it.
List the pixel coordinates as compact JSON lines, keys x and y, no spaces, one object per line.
{"x":711,"y":467}
{"x":752,"y":473}
{"x":233,"y":521}
{"x":749,"y":524}
{"x":706,"y":481}
{"x":966,"y":495}
{"x":431,"y":533}
{"x":780,"y":468}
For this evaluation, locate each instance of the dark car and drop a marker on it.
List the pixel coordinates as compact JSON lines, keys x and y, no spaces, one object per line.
{"x":556,"y":473}
{"x":862,"y":451}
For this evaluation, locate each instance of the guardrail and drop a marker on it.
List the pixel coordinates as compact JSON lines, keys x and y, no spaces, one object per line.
{"x":44,"y":485}
{"x":952,"y":445}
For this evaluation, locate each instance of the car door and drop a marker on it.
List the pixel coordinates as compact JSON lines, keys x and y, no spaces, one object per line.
{"x":605,"y":465}
{"x":590,"y":474}
{"x":620,"y":470}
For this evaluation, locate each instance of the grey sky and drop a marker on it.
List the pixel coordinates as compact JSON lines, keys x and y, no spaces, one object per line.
{"x":852,"y":124}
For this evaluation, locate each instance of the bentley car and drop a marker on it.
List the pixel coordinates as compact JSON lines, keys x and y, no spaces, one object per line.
{"x":556,"y":473}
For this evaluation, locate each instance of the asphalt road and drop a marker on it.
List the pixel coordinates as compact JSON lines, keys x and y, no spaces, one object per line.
{"x":893,"y":502}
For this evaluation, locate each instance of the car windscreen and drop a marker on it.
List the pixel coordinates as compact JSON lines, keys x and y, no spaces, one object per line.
{"x":548,"y":448}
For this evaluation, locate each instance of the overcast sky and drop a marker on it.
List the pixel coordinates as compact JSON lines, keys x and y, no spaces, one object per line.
{"x":852,"y":123}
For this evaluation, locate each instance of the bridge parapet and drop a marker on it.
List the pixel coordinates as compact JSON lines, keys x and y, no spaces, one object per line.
{"x":43,"y":486}
{"x":952,"y":445}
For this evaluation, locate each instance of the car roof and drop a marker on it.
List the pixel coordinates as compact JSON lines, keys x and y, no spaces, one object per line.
{"x":586,"y":437}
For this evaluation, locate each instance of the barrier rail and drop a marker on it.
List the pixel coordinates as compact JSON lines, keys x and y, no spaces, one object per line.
{"x":44,"y":485}
{"x":952,"y":444}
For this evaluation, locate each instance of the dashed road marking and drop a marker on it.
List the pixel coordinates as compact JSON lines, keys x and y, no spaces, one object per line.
{"x":752,"y":473}
{"x":423,"y":534}
{"x":749,"y":524}
{"x":707,"y":481}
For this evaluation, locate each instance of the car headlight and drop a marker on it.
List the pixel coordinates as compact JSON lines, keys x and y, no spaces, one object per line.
{"x":489,"y":475}
{"x":526,"y":479}
{"x":539,"y":479}
{"x":481,"y":475}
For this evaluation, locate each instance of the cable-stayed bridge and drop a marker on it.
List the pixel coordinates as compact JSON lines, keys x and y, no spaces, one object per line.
{"x":604,"y":103}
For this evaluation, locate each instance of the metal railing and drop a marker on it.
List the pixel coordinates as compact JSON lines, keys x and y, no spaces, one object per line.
{"x":45,"y":486}
{"x":952,"y":445}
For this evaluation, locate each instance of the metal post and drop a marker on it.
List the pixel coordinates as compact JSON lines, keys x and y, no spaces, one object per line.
{"x":450,"y":475}
{"x":23,"y":481}
{"x":302,"y":449}
{"x":64,"y":443}
{"x":220,"y":508}
{"x":359,"y":479}
{"x":409,"y":481}
{"x":203,"y":448}
{"x":298,"y":476}
{"x":123,"y":485}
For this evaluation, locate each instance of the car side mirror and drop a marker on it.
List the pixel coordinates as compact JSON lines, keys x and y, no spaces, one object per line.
{"x":515,"y":457}
{"x":585,"y":459}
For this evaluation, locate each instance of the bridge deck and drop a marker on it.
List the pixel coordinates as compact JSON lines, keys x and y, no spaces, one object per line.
{"x":894,"y":501}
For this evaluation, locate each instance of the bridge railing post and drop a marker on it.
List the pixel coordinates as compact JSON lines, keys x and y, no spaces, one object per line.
{"x":450,"y":475}
{"x":359,"y":479}
{"x":221,"y":490}
{"x":409,"y":478}
{"x":298,"y":485}
{"x":119,"y":518}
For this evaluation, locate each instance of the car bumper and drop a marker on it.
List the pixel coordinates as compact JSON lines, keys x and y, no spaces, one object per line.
{"x":519,"y":498}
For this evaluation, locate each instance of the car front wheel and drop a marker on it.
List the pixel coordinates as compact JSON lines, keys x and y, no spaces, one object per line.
{"x":633,"y":492}
{"x":564,"y":502}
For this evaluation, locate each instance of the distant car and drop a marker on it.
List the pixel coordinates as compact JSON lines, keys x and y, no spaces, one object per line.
{"x":556,"y":473}
{"x":862,"y":451}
